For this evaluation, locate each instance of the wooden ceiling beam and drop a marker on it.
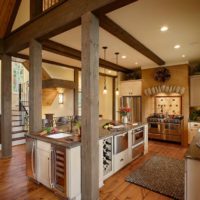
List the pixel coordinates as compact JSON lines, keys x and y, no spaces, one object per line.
{"x":58,"y":83}
{"x":63,"y":50}
{"x":52,"y":20}
{"x":113,"y":28}
{"x":1,"y":46}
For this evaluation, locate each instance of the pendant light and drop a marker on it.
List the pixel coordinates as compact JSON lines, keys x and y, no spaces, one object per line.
{"x":104,"y":88}
{"x":117,"y":89}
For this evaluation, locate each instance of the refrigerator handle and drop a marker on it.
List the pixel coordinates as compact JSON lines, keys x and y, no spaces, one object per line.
{"x":33,"y":158}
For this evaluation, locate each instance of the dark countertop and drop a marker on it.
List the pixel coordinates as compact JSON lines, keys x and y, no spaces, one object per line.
{"x":103,"y":133}
{"x":74,"y":141}
{"x":194,"y":151}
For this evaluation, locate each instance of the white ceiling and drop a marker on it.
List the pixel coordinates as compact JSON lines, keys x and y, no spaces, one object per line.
{"x":143,"y":20}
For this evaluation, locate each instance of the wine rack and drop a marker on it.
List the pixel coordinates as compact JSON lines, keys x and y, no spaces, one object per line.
{"x":107,"y":156}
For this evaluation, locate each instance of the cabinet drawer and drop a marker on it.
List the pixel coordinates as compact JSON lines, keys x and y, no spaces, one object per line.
{"x":43,"y":145}
{"x":120,"y":160}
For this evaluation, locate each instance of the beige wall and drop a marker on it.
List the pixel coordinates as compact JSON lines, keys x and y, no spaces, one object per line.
{"x":57,"y":109}
{"x":105,"y":100}
{"x":179,"y":77}
{"x":23,"y":14}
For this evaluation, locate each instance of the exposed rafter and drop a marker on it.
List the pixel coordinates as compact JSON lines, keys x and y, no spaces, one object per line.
{"x":58,"y":83}
{"x":113,"y":28}
{"x":57,"y":18}
{"x":60,"y":49}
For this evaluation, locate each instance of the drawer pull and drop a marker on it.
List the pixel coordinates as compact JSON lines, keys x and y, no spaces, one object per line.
{"x":122,"y":160}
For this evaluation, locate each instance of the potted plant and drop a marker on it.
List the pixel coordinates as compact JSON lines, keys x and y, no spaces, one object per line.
{"x":124,"y":113}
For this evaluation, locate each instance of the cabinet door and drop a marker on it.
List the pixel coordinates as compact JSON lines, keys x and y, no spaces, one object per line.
{"x":194,"y":91}
{"x":131,"y":88}
{"x":44,"y":167}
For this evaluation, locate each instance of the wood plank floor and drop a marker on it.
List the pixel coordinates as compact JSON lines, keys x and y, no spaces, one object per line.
{"x":14,"y":185}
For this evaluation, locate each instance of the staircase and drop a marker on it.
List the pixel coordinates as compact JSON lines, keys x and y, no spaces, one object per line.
{"x":20,"y":115}
{"x":18,"y":130}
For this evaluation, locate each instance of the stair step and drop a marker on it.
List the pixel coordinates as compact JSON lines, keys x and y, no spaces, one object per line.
{"x":20,"y":138}
{"x":16,"y":120}
{"x":16,"y":132}
{"x":13,"y":115}
{"x":18,"y":135}
{"x":17,"y":128}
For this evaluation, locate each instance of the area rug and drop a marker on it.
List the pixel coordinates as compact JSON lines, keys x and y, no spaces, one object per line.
{"x":161,"y":174}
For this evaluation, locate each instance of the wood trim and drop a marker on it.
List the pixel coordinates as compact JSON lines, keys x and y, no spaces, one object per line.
{"x":13,"y":16}
{"x":25,"y":57}
{"x":76,"y":82}
{"x":90,"y":108}
{"x":63,"y":50}
{"x":36,"y":8}
{"x":1,"y":46}
{"x":113,"y":6}
{"x":51,"y":21}
{"x":35,"y":87}
{"x":114,"y":99}
{"x":6,"y":106}
{"x":57,"y":83}
{"x":113,"y":28}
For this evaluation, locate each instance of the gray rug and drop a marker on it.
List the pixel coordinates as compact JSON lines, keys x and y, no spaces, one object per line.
{"x":161,"y":174}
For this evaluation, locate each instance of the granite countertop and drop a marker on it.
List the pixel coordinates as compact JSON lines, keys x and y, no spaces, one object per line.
{"x":74,"y":141}
{"x":194,"y":151}
{"x":103,"y":133}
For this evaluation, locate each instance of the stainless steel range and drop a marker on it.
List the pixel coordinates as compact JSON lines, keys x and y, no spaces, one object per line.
{"x":168,"y":128}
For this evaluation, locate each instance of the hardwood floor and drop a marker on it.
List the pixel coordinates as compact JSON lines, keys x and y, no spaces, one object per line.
{"x":14,"y":185}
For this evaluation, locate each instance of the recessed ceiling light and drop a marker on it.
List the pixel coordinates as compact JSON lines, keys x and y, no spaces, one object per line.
{"x":183,"y":56}
{"x":163,"y":28}
{"x":109,"y":71}
{"x":177,"y":46}
{"x":124,"y":57}
{"x":136,"y":63}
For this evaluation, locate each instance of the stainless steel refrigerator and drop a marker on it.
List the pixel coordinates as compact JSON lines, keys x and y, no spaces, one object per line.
{"x":135,"y":104}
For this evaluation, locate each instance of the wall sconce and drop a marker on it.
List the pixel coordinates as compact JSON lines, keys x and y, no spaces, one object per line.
{"x":61,"y":98}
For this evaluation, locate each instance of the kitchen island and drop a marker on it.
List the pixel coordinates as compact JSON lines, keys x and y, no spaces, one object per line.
{"x":56,"y":163}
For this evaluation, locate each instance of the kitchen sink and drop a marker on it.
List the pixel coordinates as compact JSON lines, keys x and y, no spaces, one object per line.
{"x":59,"y":135}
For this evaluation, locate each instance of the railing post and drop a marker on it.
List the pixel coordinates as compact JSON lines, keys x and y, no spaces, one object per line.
{"x":20,"y":96}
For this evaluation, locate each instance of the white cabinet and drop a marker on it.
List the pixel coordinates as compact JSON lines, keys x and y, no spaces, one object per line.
{"x":120,"y":160}
{"x":192,"y":130}
{"x":44,"y":163}
{"x":101,"y":163}
{"x":192,"y":179}
{"x":131,"y":88}
{"x":194,"y":91}
{"x":73,"y":168}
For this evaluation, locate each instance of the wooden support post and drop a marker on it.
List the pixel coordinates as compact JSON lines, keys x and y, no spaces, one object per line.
{"x":76,"y":92}
{"x":90,"y":108}
{"x":114,"y":98}
{"x":6,"y":104}
{"x":36,"y":7}
{"x":35,"y":88}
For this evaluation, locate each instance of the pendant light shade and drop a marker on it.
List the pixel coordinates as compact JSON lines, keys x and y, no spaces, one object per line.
{"x":105,"y":88}
{"x":117,"y":88}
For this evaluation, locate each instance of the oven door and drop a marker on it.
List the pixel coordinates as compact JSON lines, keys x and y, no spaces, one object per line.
{"x":120,"y":142}
{"x":137,"y":136}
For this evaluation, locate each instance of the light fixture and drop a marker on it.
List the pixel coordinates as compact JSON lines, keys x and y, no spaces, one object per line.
{"x":177,"y":46}
{"x":124,"y":57}
{"x":117,"y":89}
{"x":163,"y":28}
{"x":183,"y":56}
{"x":61,"y":98}
{"x":109,"y":71}
{"x":104,"y":88}
{"x":136,"y":63}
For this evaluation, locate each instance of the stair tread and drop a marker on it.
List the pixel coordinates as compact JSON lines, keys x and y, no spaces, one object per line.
{"x":16,"y":120}
{"x":19,"y":138}
{"x":16,"y":115}
{"x":17,"y":125}
{"x":22,"y":131}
